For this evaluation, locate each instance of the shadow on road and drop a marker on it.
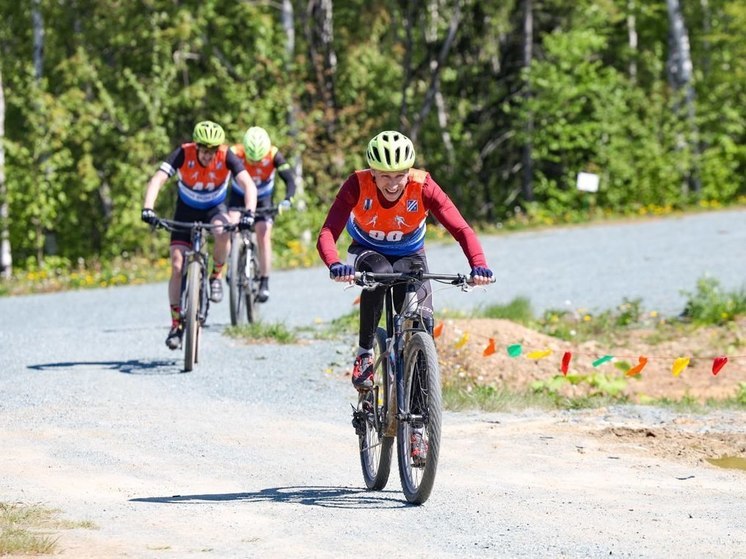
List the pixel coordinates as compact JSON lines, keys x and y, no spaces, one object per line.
{"x":332,"y":497}
{"x":131,"y":367}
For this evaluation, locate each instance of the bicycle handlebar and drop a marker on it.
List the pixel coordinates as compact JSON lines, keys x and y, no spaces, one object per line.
{"x":171,"y":225}
{"x":263,"y":212}
{"x":368,"y":279}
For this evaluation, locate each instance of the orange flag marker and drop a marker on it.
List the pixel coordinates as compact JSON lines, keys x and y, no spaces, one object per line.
{"x":438,"y":330}
{"x":637,"y":369}
{"x":490,"y":349}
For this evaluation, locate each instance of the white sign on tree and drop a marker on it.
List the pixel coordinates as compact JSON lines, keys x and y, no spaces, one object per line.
{"x":588,"y":182}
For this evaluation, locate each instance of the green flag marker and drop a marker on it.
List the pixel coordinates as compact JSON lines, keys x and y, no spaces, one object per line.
{"x":514,"y":350}
{"x":602,"y":360}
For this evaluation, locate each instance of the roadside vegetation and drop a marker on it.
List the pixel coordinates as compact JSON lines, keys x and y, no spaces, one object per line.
{"x":30,"y":529}
{"x":276,"y":332}
{"x":58,"y":273}
{"x":708,"y":306}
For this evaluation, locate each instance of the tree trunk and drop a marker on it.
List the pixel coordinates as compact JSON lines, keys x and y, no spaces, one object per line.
{"x":706,"y":31}
{"x":632,"y":40}
{"x":436,"y":65}
{"x":320,"y":33}
{"x":38,"y":23}
{"x":407,"y":63}
{"x":680,"y":77}
{"x":6,"y":257}
{"x":527,"y":182}
{"x":288,"y":25}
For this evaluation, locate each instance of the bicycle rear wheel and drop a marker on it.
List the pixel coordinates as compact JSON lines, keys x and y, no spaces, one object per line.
{"x":418,"y":438}
{"x":375,"y":447}
{"x":236,"y":280}
{"x":191,"y":321}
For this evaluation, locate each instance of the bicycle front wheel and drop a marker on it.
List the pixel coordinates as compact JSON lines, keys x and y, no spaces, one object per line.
{"x":251,"y":286}
{"x":191,"y":321}
{"x":418,"y":435}
{"x":375,"y":447}
{"x":236,"y":280}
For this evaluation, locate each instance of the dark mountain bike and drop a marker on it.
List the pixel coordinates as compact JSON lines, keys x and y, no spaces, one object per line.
{"x":243,"y":273}
{"x":195,"y":291}
{"x":405,"y":401}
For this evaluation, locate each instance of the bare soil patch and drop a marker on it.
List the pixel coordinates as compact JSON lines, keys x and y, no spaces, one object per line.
{"x":656,"y":381}
{"x":689,"y":437}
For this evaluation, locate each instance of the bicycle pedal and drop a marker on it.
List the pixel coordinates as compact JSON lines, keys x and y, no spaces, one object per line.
{"x":358,"y":422}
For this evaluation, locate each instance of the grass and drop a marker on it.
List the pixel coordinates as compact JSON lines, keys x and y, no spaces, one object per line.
{"x":710,"y":305}
{"x":25,"y":529}
{"x":341,"y":326}
{"x":60,"y":274}
{"x":261,"y":331}
{"x":463,"y":396}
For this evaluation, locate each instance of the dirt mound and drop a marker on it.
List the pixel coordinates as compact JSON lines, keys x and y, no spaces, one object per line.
{"x":656,"y":381}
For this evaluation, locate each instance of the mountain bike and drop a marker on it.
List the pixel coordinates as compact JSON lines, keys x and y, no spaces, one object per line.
{"x":244,"y":273}
{"x":405,"y":402}
{"x":195,"y":291}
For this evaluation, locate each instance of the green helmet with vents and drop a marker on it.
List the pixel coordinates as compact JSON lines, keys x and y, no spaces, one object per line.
{"x":390,"y":151}
{"x":208,"y":134}
{"x":256,"y":143}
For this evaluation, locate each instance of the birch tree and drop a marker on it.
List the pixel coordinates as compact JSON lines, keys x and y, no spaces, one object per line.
{"x":6,"y":258}
{"x":680,"y":77}
{"x":526,"y":155}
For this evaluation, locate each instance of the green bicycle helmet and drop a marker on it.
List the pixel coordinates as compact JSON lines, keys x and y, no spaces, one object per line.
{"x":256,"y":143}
{"x":208,"y":133}
{"x":390,"y":151}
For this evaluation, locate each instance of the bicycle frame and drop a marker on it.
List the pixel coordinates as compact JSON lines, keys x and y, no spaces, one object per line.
{"x":196,"y":252}
{"x":396,"y":330}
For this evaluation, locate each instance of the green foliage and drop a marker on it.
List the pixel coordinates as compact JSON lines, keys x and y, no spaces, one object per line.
{"x":581,"y":325}
{"x":345,"y":324}
{"x":518,"y":310}
{"x":741,"y":396}
{"x":122,"y":84}
{"x":459,"y":396}
{"x":260,"y":331}
{"x":710,"y":305}
{"x":596,"y":389}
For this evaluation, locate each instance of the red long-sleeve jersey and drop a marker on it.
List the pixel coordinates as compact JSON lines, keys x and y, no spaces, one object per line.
{"x":434,"y":200}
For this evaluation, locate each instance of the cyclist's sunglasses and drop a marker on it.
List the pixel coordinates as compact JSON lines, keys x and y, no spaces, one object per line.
{"x":208,"y":149}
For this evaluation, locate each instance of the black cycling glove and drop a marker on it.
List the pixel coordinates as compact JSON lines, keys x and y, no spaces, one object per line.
{"x":481,"y":271}
{"x":149,"y":216}
{"x":339,"y":270}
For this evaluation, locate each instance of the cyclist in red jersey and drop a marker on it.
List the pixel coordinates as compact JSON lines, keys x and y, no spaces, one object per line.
{"x":204,"y":167}
{"x":384,"y":209}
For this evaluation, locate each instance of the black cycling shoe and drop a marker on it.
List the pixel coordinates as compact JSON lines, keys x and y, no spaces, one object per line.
{"x":216,"y":290}
{"x":173,"y":341}
{"x":262,"y":296}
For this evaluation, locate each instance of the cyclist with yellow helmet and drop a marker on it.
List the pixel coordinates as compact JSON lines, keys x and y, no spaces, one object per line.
{"x":384,"y":209}
{"x":204,"y":168}
{"x":262,"y":161}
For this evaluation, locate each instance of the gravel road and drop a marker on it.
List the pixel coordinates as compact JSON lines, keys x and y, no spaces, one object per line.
{"x":252,"y":454}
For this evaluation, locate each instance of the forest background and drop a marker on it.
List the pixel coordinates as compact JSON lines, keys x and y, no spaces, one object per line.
{"x":506,"y":103}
